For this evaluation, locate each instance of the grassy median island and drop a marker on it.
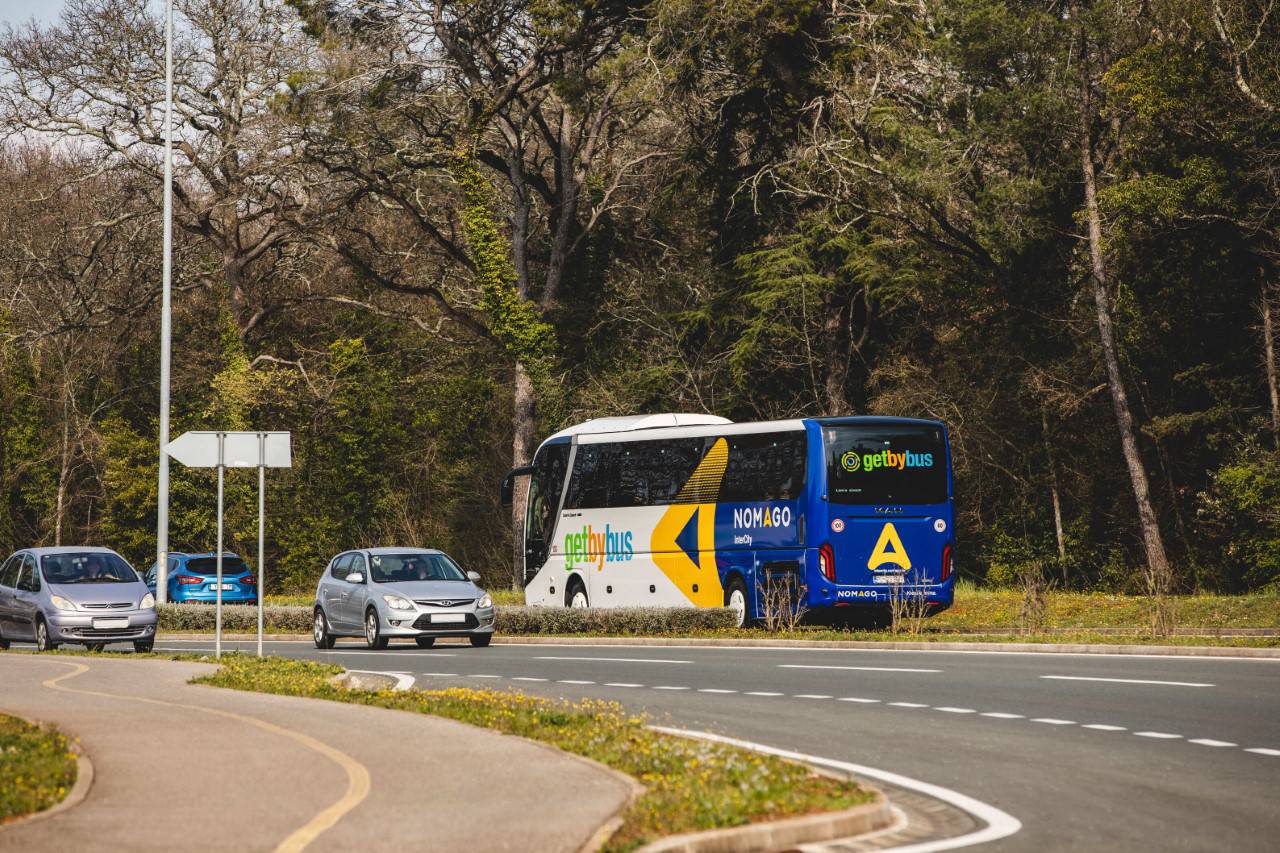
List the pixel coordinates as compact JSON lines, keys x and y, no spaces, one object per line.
{"x":689,"y":785}
{"x":37,"y":768}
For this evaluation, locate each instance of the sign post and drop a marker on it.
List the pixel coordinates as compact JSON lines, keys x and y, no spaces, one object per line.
{"x":222,"y":450}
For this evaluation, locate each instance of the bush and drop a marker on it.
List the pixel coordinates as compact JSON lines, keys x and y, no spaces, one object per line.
{"x":621,"y":620}
{"x":296,"y":619}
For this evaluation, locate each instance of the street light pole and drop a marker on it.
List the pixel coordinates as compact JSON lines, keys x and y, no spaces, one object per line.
{"x":162,"y":490}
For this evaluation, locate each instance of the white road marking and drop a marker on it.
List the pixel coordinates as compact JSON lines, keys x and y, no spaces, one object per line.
{"x":1128,"y":681}
{"x":621,"y":684}
{"x":1208,"y":741}
{"x":573,"y":681}
{"x":526,"y":678}
{"x":999,"y":824}
{"x":955,"y":710}
{"x":442,"y":674}
{"x":1262,"y":750}
{"x":403,"y":680}
{"x":908,"y":705}
{"x":613,"y":660}
{"x":669,"y":687}
{"x":1103,"y":727}
{"x":1002,"y":715}
{"x":484,"y":676}
{"x":857,"y":668}
{"x":715,"y":690}
{"x":339,"y":652}
{"x":762,"y":693}
{"x":859,"y":700}
{"x":812,"y":696}
{"x":1158,"y":735}
{"x":1053,"y":721}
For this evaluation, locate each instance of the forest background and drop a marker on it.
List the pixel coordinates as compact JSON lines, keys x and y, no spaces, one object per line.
{"x":422,"y":235}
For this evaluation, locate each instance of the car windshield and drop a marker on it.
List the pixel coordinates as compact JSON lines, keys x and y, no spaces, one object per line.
{"x":92,"y":567}
{"x":407,"y":568}
{"x":209,"y":566}
{"x":889,"y":463}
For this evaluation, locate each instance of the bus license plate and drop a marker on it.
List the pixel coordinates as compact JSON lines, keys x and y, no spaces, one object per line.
{"x":889,"y":579}
{"x":447,"y":618}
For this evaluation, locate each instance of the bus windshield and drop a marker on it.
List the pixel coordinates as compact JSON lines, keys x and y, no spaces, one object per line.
{"x":885,"y":463}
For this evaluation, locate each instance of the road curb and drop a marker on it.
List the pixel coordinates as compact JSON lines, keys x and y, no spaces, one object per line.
{"x":79,"y":791}
{"x":866,"y":645}
{"x":783,"y":834}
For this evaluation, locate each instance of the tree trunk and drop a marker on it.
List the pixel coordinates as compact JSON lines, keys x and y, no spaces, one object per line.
{"x":836,"y":353}
{"x":524,"y":409}
{"x":1158,"y":572}
{"x":1269,"y":351}
{"x":1053,"y":493}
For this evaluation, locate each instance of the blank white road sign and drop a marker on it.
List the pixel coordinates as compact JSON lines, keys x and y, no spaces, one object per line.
{"x":239,"y":449}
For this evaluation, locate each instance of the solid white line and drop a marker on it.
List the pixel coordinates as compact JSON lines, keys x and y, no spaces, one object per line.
{"x":811,"y":696}
{"x":858,"y":668}
{"x":572,"y":681}
{"x":1103,"y":727}
{"x":526,"y":678}
{"x":669,"y":687}
{"x":762,"y":693}
{"x":484,"y":676}
{"x":1053,"y":721}
{"x":1003,"y":715}
{"x":403,"y":680}
{"x":955,"y":710}
{"x":442,"y":674}
{"x":1208,"y":741}
{"x":1262,"y":750}
{"x":1128,"y":681}
{"x":1158,"y":735}
{"x":715,"y":690}
{"x":908,"y":705}
{"x":999,"y":824}
{"x":859,"y":700}
{"x":613,"y":660}
{"x":621,"y":684}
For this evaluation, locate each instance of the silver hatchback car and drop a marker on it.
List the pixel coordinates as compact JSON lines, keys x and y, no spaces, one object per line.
{"x":91,"y":596}
{"x":386,"y":593}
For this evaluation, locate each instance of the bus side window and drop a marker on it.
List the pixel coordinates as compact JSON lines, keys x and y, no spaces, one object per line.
{"x":544,"y":499}
{"x":764,"y":467}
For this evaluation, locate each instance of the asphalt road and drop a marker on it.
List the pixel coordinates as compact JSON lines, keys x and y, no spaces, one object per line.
{"x":1089,"y":752}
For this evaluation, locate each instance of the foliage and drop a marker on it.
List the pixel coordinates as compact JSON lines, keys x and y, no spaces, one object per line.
{"x":689,"y":785}
{"x":37,"y":767}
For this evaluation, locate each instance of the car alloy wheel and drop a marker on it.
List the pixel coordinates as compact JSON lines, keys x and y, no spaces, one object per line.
{"x":372,"y":636}
{"x":43,"y":644}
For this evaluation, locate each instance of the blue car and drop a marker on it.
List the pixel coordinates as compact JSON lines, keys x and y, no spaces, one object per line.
{"x":193,"y":578}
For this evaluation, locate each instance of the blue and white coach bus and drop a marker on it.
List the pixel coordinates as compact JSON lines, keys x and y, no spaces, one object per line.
{"x":670,"y":510}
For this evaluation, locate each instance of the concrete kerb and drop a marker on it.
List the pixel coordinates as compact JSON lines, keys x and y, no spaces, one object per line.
{"x":79,"y":791}
{"x":866,"y":645}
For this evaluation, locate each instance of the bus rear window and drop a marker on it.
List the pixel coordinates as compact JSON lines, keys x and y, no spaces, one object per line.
{"x":885,"y":464}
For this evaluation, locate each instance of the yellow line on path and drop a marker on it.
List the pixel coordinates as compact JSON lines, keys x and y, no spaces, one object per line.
{"x":357,"y":773}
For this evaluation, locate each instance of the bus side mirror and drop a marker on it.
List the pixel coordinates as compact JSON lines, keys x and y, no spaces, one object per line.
{"x":509,"y":483}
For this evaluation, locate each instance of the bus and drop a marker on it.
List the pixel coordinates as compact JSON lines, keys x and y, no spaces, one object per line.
{"x":695,"y":510}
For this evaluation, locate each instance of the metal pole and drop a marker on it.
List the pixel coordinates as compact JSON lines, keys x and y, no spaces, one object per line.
{"x":162,"y":489}
{"x":218,"y":608}
{"x":262,"y":525}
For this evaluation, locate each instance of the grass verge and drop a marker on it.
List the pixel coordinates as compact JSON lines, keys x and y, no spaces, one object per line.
{"x":37,"y":768}
{"x":689,"y":785}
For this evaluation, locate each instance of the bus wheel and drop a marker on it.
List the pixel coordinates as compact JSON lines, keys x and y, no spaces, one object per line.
{"x":735,"y":598}
{"x":577,"y":594}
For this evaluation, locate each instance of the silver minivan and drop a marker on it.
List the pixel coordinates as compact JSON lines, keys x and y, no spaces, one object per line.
{"x":74,"y":594}
{"x":387,"y":593}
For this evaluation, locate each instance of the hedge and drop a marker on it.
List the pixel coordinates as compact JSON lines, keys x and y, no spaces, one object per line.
{"x":296,"y":619}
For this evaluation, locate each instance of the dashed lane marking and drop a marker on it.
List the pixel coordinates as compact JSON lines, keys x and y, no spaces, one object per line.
{"x":1208,"y":741}
{"x":612,"y":660}
{"x":1158,"y":735}
{"x":1053,"y":721}
{"x":1104,"y":727}
{"x":855,"y":668}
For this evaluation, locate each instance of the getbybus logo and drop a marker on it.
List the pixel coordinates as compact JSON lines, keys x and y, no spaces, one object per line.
{"x":851,"y":461}
{"x":597,"y":546}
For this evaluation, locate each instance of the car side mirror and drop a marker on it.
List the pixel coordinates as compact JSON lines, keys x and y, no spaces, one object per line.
{"x":474,"y":577}
{"x":355,"y":577}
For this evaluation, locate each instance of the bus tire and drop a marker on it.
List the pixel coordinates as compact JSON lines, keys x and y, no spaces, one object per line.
{"x":575,"y":594}
{"x":735,"y":598}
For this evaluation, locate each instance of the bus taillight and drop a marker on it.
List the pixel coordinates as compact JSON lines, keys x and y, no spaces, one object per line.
{"x":827,"y":561}
{"x":946,"y":562}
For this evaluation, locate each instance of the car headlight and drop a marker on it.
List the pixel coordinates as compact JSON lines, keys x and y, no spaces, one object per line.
{"x":148,"y":602}
{"x":61,"y":603}
{"x":395,"y":602}
{"x":485,"y":602}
